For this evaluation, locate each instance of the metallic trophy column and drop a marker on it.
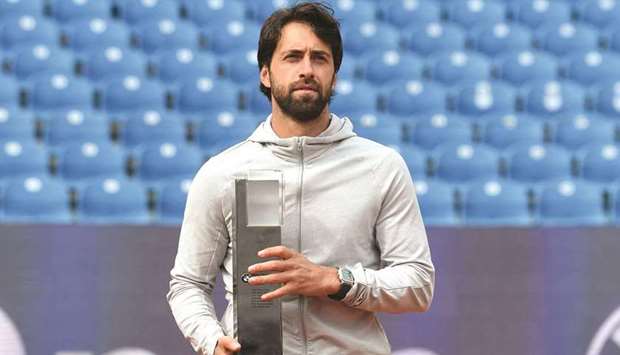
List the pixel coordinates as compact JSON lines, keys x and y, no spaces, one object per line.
{"x":258,"y":201}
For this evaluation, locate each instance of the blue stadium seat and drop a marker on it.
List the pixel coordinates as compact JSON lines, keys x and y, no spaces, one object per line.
{"x":75,"y":126}
{"x":231,"y":36}
{"x":573,"y":132}
{"x":16,"y":124}
{"x":9,"y":91}
{"x":383,"y":67}
{"x":241,"y":67}
{"x":12,"y":8}
{"x":404,"y":12}
{"x":416,"y":160}
{"x":112,"y":62}
{"x":88,"y":34}
{"x":537,"y":13}
{"x":462,"y":163}
{"x":353,"y":12}
{"x":554,"y":99}
{"x":201,"y":95}
{"x":131,"y":94}
{"x":28,"y":29}
{"x":435,"y":37}
{"x":575,"y":203}
{"x":22,"y":158}
{"x":80,"y":163}
{"x":171,"y":199}
{"x":71,"y":10}
{"x":527,"y":66}
{"x":167,"y":33}
{"x":476,"y":12}
{"x":353,"y":97}
{"x":256,"y":102}
{"x":600,"y":163}
{"x":440,"y":128}
{"x":600,"y":13}
{"x":453,"y":68}
{"x":215,"y":12}
{"x":607,"y":98}
{"x":136,"y":11}
{"x":152,"y":127}
{"x":260,"y":10}
{"x":502,"y":37}
{"x":224,"y":129}
{"x":415,"y":97}
{"x":349,"y":68}
{"x":503,"y":130}
{"x":36,"y":59}
{"x":113,"y":201}
{"x":535,"y":163}
{"x":158,"y":163}
{"x":569,"y":38}
{"x":613,"y":38}
{"x":437,"y":202}
{"x":593,"y":67}
{"x":57,"y":92}
{"x":496,"y":202}
{"x":380,"y":128}
{"x":486,"y":97}
{"x":370,"y":37}
{"x":36,"y":198}
{"x":184,"y":63}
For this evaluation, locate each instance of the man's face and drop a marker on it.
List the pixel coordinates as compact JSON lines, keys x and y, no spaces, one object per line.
{"x":301,"y":74}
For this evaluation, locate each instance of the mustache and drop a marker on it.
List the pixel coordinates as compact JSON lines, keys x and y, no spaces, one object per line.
{"x":305,"y":84}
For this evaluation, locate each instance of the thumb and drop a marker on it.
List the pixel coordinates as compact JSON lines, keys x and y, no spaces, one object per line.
{"x":230,"y":344}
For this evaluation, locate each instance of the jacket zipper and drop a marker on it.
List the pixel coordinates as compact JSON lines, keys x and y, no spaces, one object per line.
{"x":302,"y":299}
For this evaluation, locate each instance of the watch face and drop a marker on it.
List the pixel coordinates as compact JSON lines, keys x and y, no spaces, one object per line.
{"x":347,"y":276}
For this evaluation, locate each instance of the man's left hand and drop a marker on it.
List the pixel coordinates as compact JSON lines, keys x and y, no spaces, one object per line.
{"x":297,"y":274}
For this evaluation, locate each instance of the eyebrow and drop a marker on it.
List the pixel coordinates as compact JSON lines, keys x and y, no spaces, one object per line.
{"x":312,"y":52}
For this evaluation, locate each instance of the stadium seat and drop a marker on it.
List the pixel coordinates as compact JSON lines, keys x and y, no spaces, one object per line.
{"x":71,"y":10}
{"x":200,"y":95}
{"x":453,"y":68}
{"x":167,"y":33}
{"x":486,"y":97}
{"x":152,"y":127}
{"x":600,"y":163}
{"x":30,"y":60}
{"x":607,"y":98}
{"x":501,"y":38}
{"x":593,"y":67}
{"x":80,"y":163}
{"x":476,"y":12}
{"x":538,"y":13}
{"x":415,"y":97}
{"x":613,"y":38}
{"x":535,"y":163}
{"x":59,"y":92}
{"x":402,"y":13}
{"x":554,"y":99}
{"x":12,"y":8}
{"x":158,"y":163}
{"x":113,"y":201}
{"x":224,"y":129}
{"x":171,"y":199}
{"x":353,"y":98}
{"x":256,"y":102}
{"x":568,"y":202}
{"x":496,"y":202}
{"x":16,"y":124}
{"x":75,"y":126}
{"x":527,"y":66}
{"x":112,"y":62}
{"x":383,"y":67}
{"x":568,"y":38}
{"x":22,"y":158}
{"x":9,"y":91}
{"x":440,"y":128}
{"x":434,"y":37}
{"x":503,"y":130}
{"x":352,"y":13}
{"x":136,"y":11}
{"x":573,"y":132}
{"x":231,"y":36}
{"x":184,"y":63}
{"x":416,"y":160}
{"x":349,"y":68}
{"x":28,"y":29}
{"x":260,"y":10}
{"x":132,"y":94}
{"x":215,"y":12}
{"x":600,"y":13}
{"x":88,"y":34}
{"x":462,"y":163}
{"x":242,"y":67}
{"x":370,"y":37}
{"x":380,"y":128}
{"x":36,"y":198}
{"x":437,"y":202}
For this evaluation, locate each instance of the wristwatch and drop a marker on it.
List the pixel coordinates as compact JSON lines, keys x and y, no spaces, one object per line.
{"x":346,"y":282}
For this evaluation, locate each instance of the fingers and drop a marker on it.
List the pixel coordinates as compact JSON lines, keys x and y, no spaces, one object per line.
{"x":279,"y":251}
{"x":280,"y":292}
{"x":228,"y":345}
{"x":277,"y":278}
{"x":273,"y":265}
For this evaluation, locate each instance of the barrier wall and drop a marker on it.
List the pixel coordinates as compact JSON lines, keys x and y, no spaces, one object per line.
{"x":93,"y":290}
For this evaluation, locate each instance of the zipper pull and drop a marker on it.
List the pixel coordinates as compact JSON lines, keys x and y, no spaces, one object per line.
{"x":299,"y":144}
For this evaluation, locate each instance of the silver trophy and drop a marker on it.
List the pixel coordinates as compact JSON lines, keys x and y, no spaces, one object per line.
{"x":258,"y":221}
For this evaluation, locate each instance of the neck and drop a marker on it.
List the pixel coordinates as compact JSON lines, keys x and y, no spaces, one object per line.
{"x":285,"y":126}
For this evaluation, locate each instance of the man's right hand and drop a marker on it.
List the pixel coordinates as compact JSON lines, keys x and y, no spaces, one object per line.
{"x":227,"y":346}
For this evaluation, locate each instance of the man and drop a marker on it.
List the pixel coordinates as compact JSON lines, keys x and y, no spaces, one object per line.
{"x":353,"y":238}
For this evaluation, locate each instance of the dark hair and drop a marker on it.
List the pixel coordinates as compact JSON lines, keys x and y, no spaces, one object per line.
{"x":317,"y":15}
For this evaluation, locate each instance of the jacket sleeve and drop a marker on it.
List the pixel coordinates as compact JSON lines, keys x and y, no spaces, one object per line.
{"x":405,"y":280}
{"x":203,"y":243}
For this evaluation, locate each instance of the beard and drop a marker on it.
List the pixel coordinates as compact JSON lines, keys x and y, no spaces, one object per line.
{"x":304,"y":108}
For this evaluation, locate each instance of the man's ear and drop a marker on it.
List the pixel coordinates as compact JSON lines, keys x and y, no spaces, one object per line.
{"x":265,"y":78}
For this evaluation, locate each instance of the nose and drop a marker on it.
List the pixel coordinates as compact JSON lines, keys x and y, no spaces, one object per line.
{"x":306,"y":70}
